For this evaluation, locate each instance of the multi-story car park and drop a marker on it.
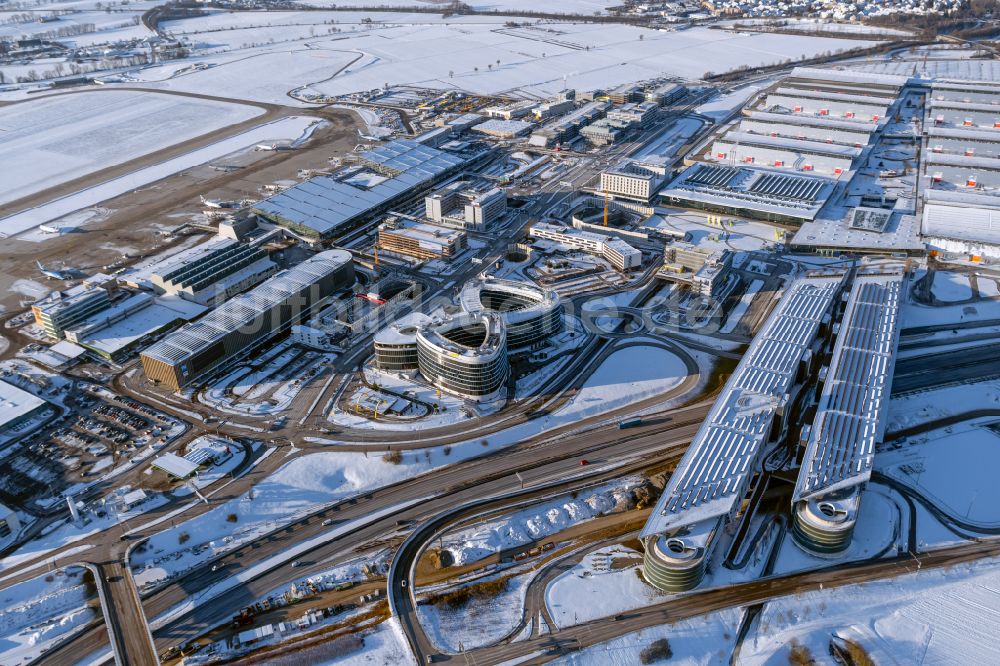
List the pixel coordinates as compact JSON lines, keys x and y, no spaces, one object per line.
{"x":781,"y":152}
{"x":811,"y":128}
{"x":214,"y":271}
{"x":850,"y":416}
{"x":465,"y":355}
{"x":62,"y":310}
{"x":530,"y":314}
{"x":757,"y":406}
{"x":621,"y":255}
{"x":245,"y":321}
{"x":418,"y":240}
{"x":963,"y":141}
{"x":962,"y":114}
{"x":754,"y":192}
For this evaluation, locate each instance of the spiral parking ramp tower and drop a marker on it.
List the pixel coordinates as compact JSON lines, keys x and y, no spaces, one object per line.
{"x":754,"y":410}
{"x":465,"y":355}
{"x":850,"y":416}
{"x":531,"y":314}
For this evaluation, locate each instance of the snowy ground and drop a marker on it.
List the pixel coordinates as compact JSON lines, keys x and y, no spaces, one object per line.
{"x":41,"y":611}
{"x":914,"y":315}
{"x":296,"y":50}
{"x":740,"y":235}
{"x":384,"y":646}
{"x":537,"y":522}
{"x":950,"y":287}
{"x":569,"y":597}
{"x":941,"y":616}
{"x":51,"y":140}
{"x":707,"y":640}
{"x":480,"y":622}
{"x":286,"y":128}
{"x":914,"y":409}
{"x":932,"y":463}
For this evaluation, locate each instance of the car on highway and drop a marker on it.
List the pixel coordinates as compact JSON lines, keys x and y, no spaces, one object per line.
{"x":298,"y":563}
{"x":584,"y":462}
{"x":328,"y":522}
{"x":402,"y":583}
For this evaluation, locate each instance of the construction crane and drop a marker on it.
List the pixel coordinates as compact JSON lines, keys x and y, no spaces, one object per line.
{"x":606,"y":199}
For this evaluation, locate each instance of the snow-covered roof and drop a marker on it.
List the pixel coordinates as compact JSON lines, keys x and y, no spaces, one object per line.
{"x":15,"y":403}
{"x":833,"y":96}
{"x":850,"y":418}
{"x":521,"y":300}
{"x":965,"y":216}
{"x":174,"y":465}
{"x":943,"y":159}
{"x":801,"y":146}
{"x":716,"y":469}
{"x":822,"y":122}
{"x":849,"y":76}
{"x":973,"y":134}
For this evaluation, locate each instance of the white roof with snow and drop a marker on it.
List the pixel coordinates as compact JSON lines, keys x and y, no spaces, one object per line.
{"x":16,"y":403}
{"x":174,"y":465}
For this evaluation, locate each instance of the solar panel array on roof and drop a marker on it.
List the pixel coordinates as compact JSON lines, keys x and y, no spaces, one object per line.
{"x":714,"y":176}
{"x":787,"y":187}
{"x":850,"y":417}
{"x":324,"y":203}
{"x":717,"y":467}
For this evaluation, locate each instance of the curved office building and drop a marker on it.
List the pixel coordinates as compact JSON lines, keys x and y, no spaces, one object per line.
{"x":465,"y":355}
{"x":396,"y":344}
{"x":531,"y":314}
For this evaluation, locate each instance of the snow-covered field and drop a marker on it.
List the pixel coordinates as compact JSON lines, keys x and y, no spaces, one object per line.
{"x":384,"y":646}
{"x":536,"y":59}
{"x":51,"y":140}
{"x":537,"y":522}
{"x":911,"y":410}
{"x":287,"y":128}
{"x":569,"y":597}
{"x":478,"y":623}
{"x":941,"y":616}
{"x":40,"y":611}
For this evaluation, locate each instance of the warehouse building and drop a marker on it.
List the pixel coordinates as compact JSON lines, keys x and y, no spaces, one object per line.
{"x":460,"y":206}
{"x":510,"y":111}
{"x":946,"y":113}
{"x":18,"y":409}
{"x":212,"y":272}
{"x":753,"y":192}
{"x":850,"y":417}
{"x":969,"y":142}
{"x":973,"y":92}
{"x":974,"y":173}
{"x":811,"y":128}
{"x":240,"y":324}
{"x":65,"y":309}
{"x":620,"y":254}
{"x":465,"y":355}
{"x":418,"y":240}
{"x":962,"y":222}
{"x":831,"y":100}
{"x":326,"y":206}
{"x":634,"y":181}
{"x":756,"y":408}
{"x":530,"y":314}
{"x":799,"y":155}
{"x":846,"y":80}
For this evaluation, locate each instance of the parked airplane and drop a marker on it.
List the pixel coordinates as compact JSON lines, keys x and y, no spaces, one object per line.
{"x":53,"y":274}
